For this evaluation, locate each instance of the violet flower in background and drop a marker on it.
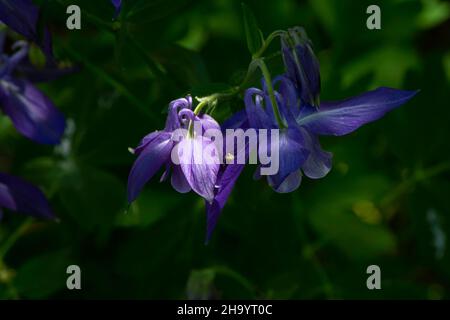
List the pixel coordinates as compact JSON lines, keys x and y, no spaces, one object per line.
{"x":21,"y":196}
{"x":155,"y":151}
{"x":22,"y":16}
{"x":117,"y":7}
{"x":32,"y":113}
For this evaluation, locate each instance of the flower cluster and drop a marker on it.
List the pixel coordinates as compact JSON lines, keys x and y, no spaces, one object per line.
{"x":32,"y":113}
{"x":291,"y":104}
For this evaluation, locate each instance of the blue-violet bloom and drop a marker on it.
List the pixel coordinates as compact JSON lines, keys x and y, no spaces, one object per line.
{"x":23,"y":197}
{"x":32,"y":113}
{"x":22,"y":16}
{"x":117,"y":7}
{"x":155,"y":151}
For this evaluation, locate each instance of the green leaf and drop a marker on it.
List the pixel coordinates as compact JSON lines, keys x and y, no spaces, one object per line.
{"x":92,"y":197}
{"x":43,"y":275}
{"x":252,"y":32}
{"x":350,"y":219}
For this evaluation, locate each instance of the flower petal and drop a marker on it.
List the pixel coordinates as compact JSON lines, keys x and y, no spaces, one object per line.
{"x":150,"y":159}
{"x":117,"y":7}
{"x":32,"y":113}
{"x":290,"y":183}
{"x":301,"y":64}
{"x":178,"y":180}
{"x":257,"y":116}
{"x":199,"y":168}
{"x":292,"y":155}
{"x":22,"y":16}
{"x":145,"y":141}
{"x":21,"y":196}
{"x":225,"y":184}
{"x":237,"y":120}
{"x":173,"y":121}
{"x":208,"y":123}
{"x":319,"y":162}
{"x":343,"y":117}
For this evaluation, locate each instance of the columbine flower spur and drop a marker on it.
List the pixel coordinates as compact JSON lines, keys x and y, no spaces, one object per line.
{"x":290,"y":103}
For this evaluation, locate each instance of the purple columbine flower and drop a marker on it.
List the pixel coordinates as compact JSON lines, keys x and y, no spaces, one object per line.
{"x":299,"y":147}
{"x":305,"y":123}
{"x":32,"y":113}
{"x":21,"y":196}
{"x":117,"y":7}
{"x":22,"y":16}
{"x":155,"y":151}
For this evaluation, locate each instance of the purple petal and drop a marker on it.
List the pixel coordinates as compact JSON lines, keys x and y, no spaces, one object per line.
{"x":257,"y":116}
{"x":175,"y":106}
{"x":225,"y":184}
{"x":31,"y":112}
{"x":145,"y":141}
{"x":209,"y":123}
{"x":21,"y":196}
{"x":301,"y":64}
{"x":343,"y":117}
{"x":178,"y":180}
{"x":150,"y":159}
{"x":12,"y":61}
{"x":290,"y":183}
{"x":237,"y":120}
{"x":22,"y":16}
{"x":292,"y":155}
{"x":199,"y":168}
{"x":288,"y":96}
{"x":319,"y":162}
{"x":117,"y":7}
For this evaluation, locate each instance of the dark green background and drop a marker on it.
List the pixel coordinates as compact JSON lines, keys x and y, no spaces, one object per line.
{"x":385,"y":202}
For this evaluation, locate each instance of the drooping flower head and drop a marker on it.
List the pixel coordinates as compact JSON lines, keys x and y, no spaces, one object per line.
{"x":20,"y":196}
{"x":186,"y":165}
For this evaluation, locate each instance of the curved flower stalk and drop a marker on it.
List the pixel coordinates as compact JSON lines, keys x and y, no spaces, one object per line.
{"x":32,"y":113}
{"x":180,"y":151}
{"x":21,"y":196}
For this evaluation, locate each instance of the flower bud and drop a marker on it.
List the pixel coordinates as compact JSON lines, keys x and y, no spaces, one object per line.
{"x":301,"y":64}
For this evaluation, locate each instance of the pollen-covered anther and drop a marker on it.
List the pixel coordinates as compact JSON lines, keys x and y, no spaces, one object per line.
{"x":229,"y":158}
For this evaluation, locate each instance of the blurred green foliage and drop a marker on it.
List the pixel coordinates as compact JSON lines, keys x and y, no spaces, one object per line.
{"x":385,"y":202}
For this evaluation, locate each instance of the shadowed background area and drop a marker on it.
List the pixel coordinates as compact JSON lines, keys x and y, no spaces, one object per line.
{"x":385,"y":202}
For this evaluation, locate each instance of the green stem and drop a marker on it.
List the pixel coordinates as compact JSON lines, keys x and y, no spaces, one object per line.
{"x":266,"y":74}
{"x":256,"y":61}
{"x":236,"y":276}
{"x":267,"y":42}
{"x":327,"y":286}
{"x":13,"y":238}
